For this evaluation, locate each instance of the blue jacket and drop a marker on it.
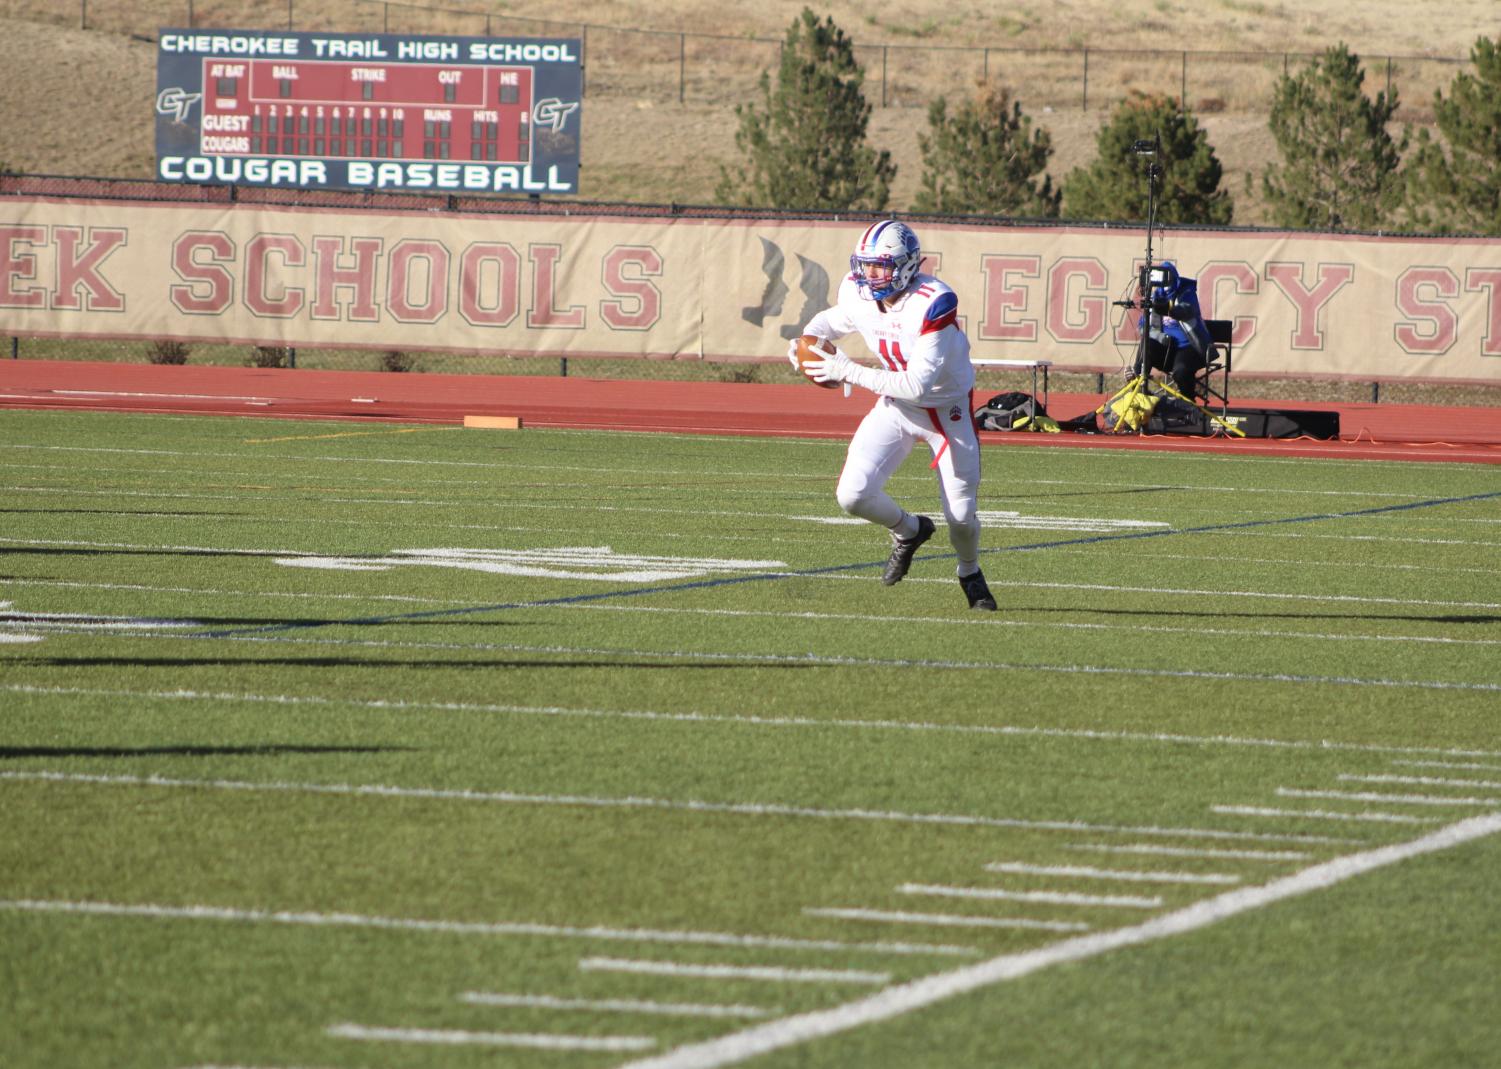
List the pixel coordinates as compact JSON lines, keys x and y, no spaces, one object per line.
{"x":1181,"y":323}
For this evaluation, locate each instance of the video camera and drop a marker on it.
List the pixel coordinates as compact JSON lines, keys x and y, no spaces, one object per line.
{"x":1147,"y":284}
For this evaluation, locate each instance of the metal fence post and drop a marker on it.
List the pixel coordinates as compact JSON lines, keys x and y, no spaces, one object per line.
{"x":583,"y":54}
{"x":385,"y":18}
{"x":884,"y":50}
{"x":83,"y":14}
{"x":289,"y":14}
{"x":682,"y":63}
{"x":1388,"y":78}
{"x":1085,"y":106}
{"x":291,"y":356}
{"x":986,"y":68}
{"x":1183,"y":91}
{"x":15,"y":348}
{"x":190,"y":14}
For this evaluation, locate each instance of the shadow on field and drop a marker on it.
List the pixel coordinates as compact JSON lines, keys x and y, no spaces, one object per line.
{"x":355,"y":662}
{"x":96,"y":551}
{"x":268,"y":749}
{"x":1175,"y":610}
{"x":1120,"y":492}
{"x":122,"y":512}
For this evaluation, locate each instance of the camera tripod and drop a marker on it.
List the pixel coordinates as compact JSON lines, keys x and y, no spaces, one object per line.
{"x":1134,"y":402}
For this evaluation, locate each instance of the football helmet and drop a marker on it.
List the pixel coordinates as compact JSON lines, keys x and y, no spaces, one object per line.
{"x":886,"y":260}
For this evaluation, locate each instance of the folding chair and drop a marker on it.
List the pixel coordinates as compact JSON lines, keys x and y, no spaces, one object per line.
{"x":1220,"y":355}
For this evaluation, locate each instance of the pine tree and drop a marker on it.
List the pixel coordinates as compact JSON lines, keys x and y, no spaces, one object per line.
{"x":1461,"y":190}
{"x":985,"y":159}
{"x":1114,"y":185}
{"x":1340,"y":167}
{"x":804,"y":147}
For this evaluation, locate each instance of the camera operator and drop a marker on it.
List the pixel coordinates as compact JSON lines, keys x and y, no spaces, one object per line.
{"x":1177,"y":340}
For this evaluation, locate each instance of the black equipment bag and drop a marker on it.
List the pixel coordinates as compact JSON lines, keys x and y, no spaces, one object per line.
{"x":1009,"y":411}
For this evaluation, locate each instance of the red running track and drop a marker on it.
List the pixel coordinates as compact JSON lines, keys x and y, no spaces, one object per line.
{"x":1367,"y":431}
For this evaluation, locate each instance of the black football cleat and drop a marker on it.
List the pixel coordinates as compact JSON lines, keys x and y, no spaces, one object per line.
{"x":902,"y":550}
{"x":977,"y":592}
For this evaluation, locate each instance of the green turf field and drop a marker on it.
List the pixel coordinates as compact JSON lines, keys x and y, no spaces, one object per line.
{"x":384,"y":747}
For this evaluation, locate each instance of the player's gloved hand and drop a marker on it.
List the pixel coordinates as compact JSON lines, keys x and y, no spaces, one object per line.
{"x":833,"y":368}
{"x":792,"y":355}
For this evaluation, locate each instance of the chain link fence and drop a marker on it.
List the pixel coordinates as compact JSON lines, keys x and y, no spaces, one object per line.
{"x":708,"y":69}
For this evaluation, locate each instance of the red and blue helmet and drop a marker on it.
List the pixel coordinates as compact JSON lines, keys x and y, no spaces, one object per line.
{"x":891,"y":245}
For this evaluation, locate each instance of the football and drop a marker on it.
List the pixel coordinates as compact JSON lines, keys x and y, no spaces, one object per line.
{"x":810,"y":348}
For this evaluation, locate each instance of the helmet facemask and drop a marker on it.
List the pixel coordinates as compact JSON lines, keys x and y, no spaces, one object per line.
{"x":886,"y":260}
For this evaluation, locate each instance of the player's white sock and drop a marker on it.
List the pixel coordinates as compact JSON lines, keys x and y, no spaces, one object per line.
{"x":906,"y":527}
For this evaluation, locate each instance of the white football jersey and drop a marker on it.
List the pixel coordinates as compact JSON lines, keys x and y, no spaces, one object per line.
{"x":923,"y":352}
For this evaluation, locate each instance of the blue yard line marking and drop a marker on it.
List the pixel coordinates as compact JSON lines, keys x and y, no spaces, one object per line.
{"x":732,"y":580}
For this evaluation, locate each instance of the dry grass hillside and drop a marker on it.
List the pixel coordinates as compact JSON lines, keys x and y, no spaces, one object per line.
{"x":78,"y":101}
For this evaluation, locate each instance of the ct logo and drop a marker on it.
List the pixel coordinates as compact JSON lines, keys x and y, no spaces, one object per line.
{"x":553,"y":112}
{"x":176,"y":103}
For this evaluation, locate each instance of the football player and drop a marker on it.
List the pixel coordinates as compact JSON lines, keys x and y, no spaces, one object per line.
{"x":923,"y":391}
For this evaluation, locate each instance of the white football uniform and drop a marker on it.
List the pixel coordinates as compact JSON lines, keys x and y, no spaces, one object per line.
{"x":925,"y":391}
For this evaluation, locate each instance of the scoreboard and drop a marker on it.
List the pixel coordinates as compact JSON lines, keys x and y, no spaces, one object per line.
{"x":339,"y":111}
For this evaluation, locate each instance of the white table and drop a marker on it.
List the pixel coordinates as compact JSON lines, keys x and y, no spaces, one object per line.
{"x":1023,"y":365}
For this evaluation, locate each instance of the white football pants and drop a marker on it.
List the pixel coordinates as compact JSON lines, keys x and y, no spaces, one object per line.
{"x":885,"y":439}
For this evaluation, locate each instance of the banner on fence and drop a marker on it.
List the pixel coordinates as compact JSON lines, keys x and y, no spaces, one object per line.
{"x":675,"y":287}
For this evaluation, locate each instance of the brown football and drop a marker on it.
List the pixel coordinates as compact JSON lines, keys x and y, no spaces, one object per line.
{"x":809,"y":348}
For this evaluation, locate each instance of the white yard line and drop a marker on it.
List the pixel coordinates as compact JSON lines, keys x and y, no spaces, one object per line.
{"x":859,"y":617}
{"x":1097,"y":587}
{"x":84,"y":622}
{"x":1383,"y":539}
{"x":465,"y":928}
{"x":771,"y":973}
{"x":1020,"y":868}
{"x":1057,"y":898}
{"x":1467,"y":767}
{"x":1191,"y":592}
{"x":594,"y":470}
{"x":612,"y":1005}
{"x":1319,"y":814}
{"x":1182,"y":851}
{"x":1030,"y":625}
{"x":211,"y":593}
{"x":293,"y":635}
{"x":155,"y":547}
{"x":526,"y":1040}
{"x":904,"y":998}
{"x":1425,"y":781}
{"x":1377,"y":796}
{"x":950,"y":920}
{"x":1205,"y":459}
{"x":749,"y":809}
{"x":1017,"y":730}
